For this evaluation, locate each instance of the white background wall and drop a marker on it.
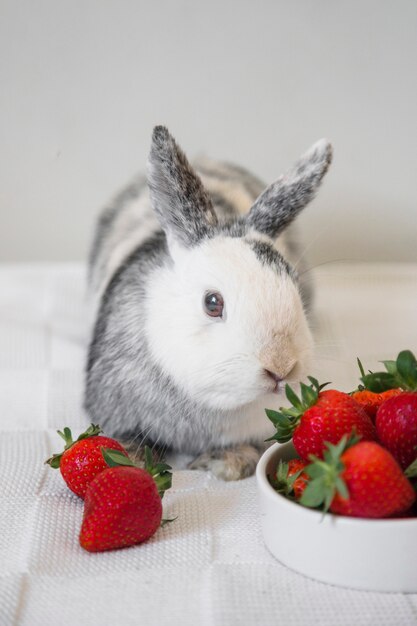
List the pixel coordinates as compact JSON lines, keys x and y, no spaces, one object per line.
{"x":83,"y":82}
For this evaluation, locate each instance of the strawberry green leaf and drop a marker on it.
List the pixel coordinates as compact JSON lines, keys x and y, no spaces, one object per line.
{"x":54,"y":461}
{"x":66,"y":436}
{"x":115,"y":458}
{"x":92,"y":431}
{"x":325,"y":476}
{"x":316,"y":385}
{"x":337,"y":450}
{"x":324,"y":385}
{"x":315,"y":492}
{"x":390,"y":366}
{"x":148,"y":459}
{"x":292,"y":412}
{"x":291,"y":479}
{"x":293,"y":398}
{"x":281,"y":482}
{"x":379,"y":381}
{"x":407,"y":368}
{"x":361,"y":369}
{"x":282,"y":471}
{"x":341,"y":488}
{"x":274,"y":416}
{"x":159,"y":472}
{"x":275,"y":438}
{"x":411,"y":471}
{"x":160,"y":468}
{"x":163,"y":482}
{"x":314,"y":470}
{"x":282,"y":435}
{"x":285,"y":424}
{"x":308,"y":395}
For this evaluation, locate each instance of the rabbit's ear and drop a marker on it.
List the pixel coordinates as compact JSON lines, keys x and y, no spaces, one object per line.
{"x":182,"y":204}
{"x":281,"y":202}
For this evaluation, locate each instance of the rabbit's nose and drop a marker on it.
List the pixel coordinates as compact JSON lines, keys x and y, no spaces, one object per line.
{"x":275,"y":377}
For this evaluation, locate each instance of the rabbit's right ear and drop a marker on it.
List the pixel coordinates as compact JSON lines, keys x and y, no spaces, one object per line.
{"x":179,"y":199}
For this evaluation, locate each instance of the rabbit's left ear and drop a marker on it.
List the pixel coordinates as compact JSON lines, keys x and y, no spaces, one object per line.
{"x":281,"y":202}
{"x":182,"y":204}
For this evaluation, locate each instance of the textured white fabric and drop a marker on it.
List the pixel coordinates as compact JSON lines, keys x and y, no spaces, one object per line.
{"x":210,"y":567}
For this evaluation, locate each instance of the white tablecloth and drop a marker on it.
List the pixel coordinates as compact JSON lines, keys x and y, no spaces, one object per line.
{"x":210,"y":566}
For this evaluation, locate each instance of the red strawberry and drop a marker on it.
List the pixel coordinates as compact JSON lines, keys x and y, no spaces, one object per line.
{"x":319,"y":417}
{"x":396,"y":419}
{"x":82,"y":459}
{"x":371,"y":401}
{"x":123,"y":503}
{"x":363,"y":480}
{"x":396,"y":427}
{"x":289,"y":478}
{"x":122,"y":508}
{"x":295,"y":466}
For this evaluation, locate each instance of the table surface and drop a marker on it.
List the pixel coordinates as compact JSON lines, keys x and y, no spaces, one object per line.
{"x":210,"y":567}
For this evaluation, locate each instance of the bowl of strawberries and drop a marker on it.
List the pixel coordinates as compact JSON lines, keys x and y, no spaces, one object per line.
{"x":338,"y":490}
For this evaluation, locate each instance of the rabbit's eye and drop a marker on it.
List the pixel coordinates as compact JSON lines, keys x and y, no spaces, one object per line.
{"x":213,"y":304}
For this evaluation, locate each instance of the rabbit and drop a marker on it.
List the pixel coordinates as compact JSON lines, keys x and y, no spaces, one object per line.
{"x":201,"y":316}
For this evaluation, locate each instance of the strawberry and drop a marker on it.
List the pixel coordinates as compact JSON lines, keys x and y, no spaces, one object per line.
{"x":396,"y":427}
{"x":319,"y":417}
{"x":82,"y":459}
{"x":396,"y":419}
{"x":359,"y":480}
{"x":123,"y":503}
{"x":289,"y":478}
{"x":371,"y":401}
{"x":122,"y":508}
{"x":371,"y":395}
{"x":295,"y":469}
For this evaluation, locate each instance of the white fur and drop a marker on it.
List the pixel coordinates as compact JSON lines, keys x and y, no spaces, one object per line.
{"x":263,"y":327}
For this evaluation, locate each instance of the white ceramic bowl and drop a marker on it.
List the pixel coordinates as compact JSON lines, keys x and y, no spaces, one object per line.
{"x":377,"y":555}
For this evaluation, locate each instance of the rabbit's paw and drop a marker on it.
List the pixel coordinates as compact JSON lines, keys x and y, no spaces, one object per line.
{"x":228,"y":463}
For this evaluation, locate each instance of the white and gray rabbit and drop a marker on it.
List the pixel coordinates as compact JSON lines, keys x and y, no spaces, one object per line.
{"x":201,"y":318}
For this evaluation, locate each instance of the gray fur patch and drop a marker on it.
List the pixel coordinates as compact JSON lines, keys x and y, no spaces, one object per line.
{"x":268,"y":255}
{"x":234,"y":228}
{"x":182,"y":204}
{"x":282,"y":201}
